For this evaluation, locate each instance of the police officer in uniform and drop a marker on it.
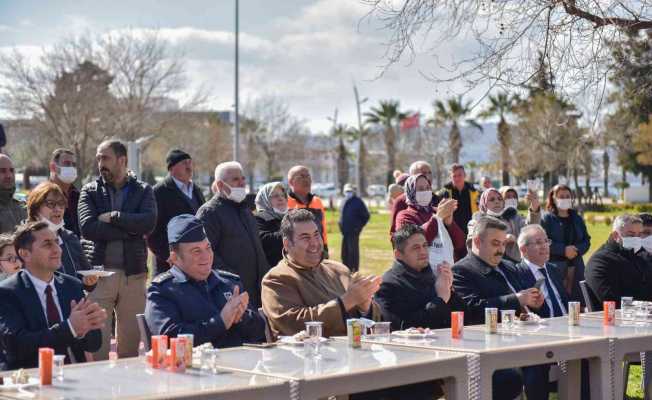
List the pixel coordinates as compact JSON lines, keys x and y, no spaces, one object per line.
{"x":193,"y":298}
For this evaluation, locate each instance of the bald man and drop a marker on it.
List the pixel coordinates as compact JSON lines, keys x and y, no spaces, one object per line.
{"x":300,"y":196}
{"x":12,"y":211}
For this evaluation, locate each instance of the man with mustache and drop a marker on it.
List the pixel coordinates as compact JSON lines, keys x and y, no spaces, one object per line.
{"x":175,"y":195}
{"x":12,"y":211}
{"x":116,"y":212}
{"x":483,"y":279}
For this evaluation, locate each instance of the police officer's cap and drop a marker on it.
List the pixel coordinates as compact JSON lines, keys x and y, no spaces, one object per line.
{"x":185,"y":228}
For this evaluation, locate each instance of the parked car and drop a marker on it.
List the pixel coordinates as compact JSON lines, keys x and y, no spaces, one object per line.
{"x":377,"y":191}
{"x":325,"y":190}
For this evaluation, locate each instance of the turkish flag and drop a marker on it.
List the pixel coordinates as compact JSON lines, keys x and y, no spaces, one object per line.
{"x":410,"y":122}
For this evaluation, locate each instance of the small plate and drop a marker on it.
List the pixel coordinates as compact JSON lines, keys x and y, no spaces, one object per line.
{"x":292,"y":341}
{"x":413,"y":334}
{"x":101,"y":274}
{"x":533,"y":321}
{"x":9,"y":386}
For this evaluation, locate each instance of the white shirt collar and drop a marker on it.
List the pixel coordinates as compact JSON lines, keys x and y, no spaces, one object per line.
{"x":185,"y":188}
{"x":40,"y":285}
{"x":534,"y":268}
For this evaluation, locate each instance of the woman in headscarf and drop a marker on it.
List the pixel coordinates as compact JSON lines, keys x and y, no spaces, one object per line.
{"x":503,"y":205}
{"x":445,"y":244}
{"x":271,"y":206}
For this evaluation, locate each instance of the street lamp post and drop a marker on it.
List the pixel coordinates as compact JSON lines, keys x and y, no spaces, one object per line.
{"x":236,"y":125}
{"x":359,"y":166}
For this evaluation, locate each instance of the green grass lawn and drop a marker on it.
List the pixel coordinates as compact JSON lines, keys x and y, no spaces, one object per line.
{"x":376,"y":256}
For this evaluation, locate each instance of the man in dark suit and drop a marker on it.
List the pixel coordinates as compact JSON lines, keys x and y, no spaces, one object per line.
{"x":535,"y":252}
{"x":483,"y":279}
{"x":40,"y":307}
{"x":175,"y":195}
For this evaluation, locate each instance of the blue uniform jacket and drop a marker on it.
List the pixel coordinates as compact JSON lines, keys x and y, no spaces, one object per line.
{"x":179,"y":305}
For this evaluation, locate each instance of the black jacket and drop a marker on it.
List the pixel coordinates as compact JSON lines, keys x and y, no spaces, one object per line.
{"x":482,"y":286}
{"x":170,"y":202}
{"x":24,"y":329}
{"x":131,"y":224}
{"x":353,"y":216}
{"x":70,"y":216}
{"x":72,"y":256}
{"x":407,"y":298}
{"x":231,"y":229}
{"x":613,"y":272}
{"x":271,"y":239}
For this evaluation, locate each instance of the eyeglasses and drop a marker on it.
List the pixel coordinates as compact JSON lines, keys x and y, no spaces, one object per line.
{"x":541,"y":243}
{"x":11,"y":259}
{"x":278,"y":197}
{"x":53,"y":204}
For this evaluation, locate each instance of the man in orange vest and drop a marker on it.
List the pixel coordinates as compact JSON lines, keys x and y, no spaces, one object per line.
{"x":300,"y":183}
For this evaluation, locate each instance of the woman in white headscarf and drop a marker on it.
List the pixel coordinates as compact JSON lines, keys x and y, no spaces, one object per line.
{"x":271,"y":206}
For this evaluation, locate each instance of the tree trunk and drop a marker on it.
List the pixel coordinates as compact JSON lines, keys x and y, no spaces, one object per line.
{"x":504,"y":141}
{"x":362,"y":190}
{"x":390,"y":146}
{"x":649,"y":187}
{"x":605,"y":166}
{"x":455,"y":143}
{"x":624,"y":180}
{"x":577,"y":186}
{"x":342,"y":165}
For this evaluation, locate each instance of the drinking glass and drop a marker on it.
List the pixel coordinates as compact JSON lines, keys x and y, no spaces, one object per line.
{"x":313,"y":340}
{"x":507,"y":319}
{"x":627,"y":308}
{"x":380,"y":331}
{"x":59,"y":361}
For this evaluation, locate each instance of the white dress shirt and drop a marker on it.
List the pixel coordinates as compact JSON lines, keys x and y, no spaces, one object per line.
{"x":40,"y":286}
{"x":535,"y":269}
{"x":185,"y":188}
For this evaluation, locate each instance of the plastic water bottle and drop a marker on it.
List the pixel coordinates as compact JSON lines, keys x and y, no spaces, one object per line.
{"x":142,"y":353}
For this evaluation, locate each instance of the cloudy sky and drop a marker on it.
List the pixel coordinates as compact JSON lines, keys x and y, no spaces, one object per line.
{"x":307,"y":52}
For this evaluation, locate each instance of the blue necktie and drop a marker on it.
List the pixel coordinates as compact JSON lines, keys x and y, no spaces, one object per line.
{"x":556,"y":308}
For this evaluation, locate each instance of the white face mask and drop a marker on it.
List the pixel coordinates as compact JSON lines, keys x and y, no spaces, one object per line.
{"x":423,"y":198}
{"x":511,"y":203}
{"x":647,"y":243}
{"x":563,"y":204}
{"x":67,"y":174}
{"x":632,"y":243}
{"x":280,"y":210}
{"x":53,"y":227}
{"x":237,"y":193}
{"x":494,"y":213}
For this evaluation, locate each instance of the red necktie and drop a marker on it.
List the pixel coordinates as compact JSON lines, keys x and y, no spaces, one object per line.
{"x":51,"y":308}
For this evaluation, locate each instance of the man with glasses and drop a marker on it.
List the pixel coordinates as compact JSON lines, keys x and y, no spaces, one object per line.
{"x":12,"y":211}
{"x":535,"y":252}
{"x":63,"y":172}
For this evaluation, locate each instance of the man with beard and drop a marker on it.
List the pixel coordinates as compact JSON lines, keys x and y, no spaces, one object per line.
{"x":12,"y":211}
{"x":116,"y":212}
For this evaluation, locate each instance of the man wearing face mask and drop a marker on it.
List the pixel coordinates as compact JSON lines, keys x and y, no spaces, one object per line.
{"x":620,"y":267}
{"x":353,"y":217}
{"x":232,"y":231}
{"x":646,"y":233}
{"x":63,"y":172}
{"x":12,"y":211}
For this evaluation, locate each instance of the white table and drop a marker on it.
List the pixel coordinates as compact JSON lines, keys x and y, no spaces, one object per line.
{"x":341,"y":369}
{"x":492,"y":352}
{"x":626,"y":338}
{"x":131,"y":378}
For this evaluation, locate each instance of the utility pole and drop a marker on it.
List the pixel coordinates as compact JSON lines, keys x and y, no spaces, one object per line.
{"x":359,"y":166}
{"x":236,"y":125}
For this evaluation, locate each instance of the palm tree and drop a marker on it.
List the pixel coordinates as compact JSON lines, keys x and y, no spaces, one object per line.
{"x":452,"y":113}
{"x":343,"y":134}
{"x":389,"y":116}
{"x":502,"y":105}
